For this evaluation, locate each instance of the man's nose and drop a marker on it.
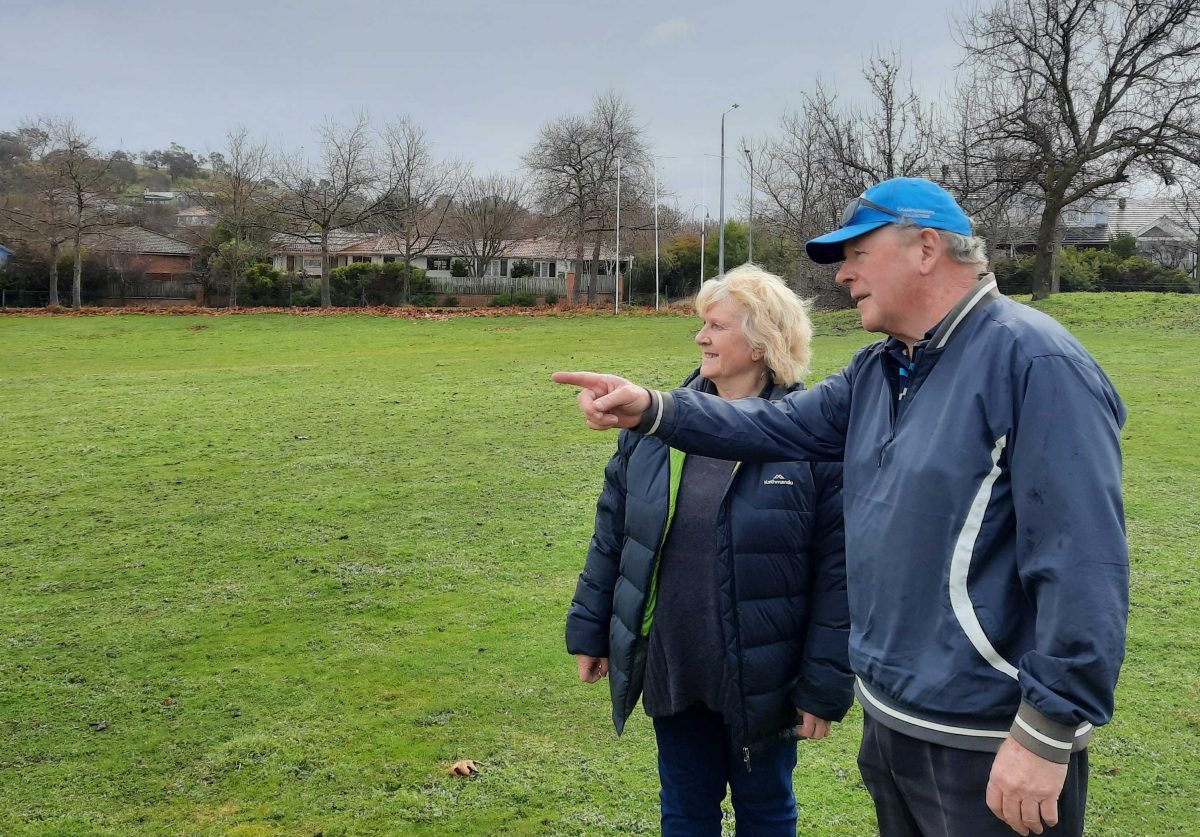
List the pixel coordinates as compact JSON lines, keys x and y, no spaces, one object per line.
{"x":843,"y":275}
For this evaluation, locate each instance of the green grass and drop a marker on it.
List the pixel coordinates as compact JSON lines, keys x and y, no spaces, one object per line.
{"x":299,"y":565}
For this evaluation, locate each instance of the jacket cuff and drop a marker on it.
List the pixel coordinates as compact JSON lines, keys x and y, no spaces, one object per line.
{"x":1046,"y":738}
{"x":652,"y":419}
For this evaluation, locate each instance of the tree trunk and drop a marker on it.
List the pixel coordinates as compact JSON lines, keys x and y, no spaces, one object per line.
{"x":77,"y":274}
{"x":325,"y":300}
{"x":1043,"y":262}
{"x":54,"y":275}
{"x":574,"y":295}
{"x":406,"y":286}
{"x":593,"y":273}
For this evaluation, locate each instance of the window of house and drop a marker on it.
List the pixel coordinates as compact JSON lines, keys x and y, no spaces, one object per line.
{"x":361,"y":259}
{"x":438,"y":263}
{"x":312,"y":265}
{"x":289,"y":264}
{"x":504,"y":267}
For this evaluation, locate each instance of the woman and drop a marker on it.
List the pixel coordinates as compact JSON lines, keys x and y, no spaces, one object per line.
{"x":716,"y":591}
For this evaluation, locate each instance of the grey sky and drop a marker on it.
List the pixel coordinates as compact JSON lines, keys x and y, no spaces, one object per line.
{"x":482,"y":77}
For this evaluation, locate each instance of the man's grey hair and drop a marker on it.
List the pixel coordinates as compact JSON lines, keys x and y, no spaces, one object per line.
{"x":964,"y":249}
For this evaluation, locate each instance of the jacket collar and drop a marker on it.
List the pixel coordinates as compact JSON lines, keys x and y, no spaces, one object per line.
{"x":975,"y":300}
{"x":772,"y":391}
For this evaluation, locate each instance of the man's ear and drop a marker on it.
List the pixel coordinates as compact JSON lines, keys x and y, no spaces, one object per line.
{"x":931,"y":250}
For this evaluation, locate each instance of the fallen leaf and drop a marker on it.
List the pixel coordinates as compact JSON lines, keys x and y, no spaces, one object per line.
{"x":464,"y":767}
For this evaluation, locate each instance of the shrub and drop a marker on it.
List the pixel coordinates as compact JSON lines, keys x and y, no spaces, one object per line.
{"x":379,"y":284}
{"x":551,"y":298}
{"x":1124,"y":246}
{"x":1094,"y":270}
{"x":520,"y":269}
{"x":458,"y":269}
{"x":304,"y":297}
{"x":451,"y":301}
{"x":522,"y":299}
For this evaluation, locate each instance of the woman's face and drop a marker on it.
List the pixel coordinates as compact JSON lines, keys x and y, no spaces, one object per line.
{"x":725,"y":354}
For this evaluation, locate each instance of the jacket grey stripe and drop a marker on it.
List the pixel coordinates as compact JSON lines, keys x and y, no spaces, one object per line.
{"x":960,"y":568}
{"x":877,"y":705}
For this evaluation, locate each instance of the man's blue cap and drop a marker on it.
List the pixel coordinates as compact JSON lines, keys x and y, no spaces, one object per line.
{"x":921,"y":201}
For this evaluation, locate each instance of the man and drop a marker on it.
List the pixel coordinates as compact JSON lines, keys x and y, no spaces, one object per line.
{"x":985,"y":544}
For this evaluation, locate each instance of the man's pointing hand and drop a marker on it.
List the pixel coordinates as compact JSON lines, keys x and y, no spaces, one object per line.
{"x":607,"y":401}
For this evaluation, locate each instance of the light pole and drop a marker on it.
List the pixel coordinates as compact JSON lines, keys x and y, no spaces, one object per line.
{"x":721,"y":246}
{"x":656,"y":159}
{"x":655,"y":233}
{"x":703,"y":219}
{"x":617,"y":278}
{"x":750,"y":223}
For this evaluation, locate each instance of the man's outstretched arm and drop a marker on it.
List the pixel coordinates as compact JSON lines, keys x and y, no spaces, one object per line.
{"x":809,"y":424}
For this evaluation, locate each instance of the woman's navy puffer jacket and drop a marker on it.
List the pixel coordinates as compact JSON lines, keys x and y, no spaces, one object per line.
{"x":782,"y":575}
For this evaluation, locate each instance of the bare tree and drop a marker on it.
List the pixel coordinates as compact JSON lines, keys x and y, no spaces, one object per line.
{"x":485,"y":219}
{"x":236,"y":197}
{"x":85,"y":182}
{"x":424,"y":192}
{"x":574,"y":168}
{"x":1183,"y":192}
{"x":349,"y":185}
{"x":983,"y":173}
{"x":1086,"y":93}
{"x":35,"y":209}
{"x":827,"y":152}
{"x":890,"y":136}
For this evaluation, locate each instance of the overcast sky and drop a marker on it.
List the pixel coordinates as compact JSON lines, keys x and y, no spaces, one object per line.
{"x":482,"y":77}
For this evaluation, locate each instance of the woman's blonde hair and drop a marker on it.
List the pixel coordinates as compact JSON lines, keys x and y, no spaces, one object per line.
{"x":774,"y":320}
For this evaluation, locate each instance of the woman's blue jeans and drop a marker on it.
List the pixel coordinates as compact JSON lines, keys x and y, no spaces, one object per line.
{"x":697,"y":761}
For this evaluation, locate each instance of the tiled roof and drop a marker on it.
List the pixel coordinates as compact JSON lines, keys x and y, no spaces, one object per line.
{"x":338,"y":240}
{"x":138,"y":240}
{"x":543,"y":248}
{"x":1131,"y":217}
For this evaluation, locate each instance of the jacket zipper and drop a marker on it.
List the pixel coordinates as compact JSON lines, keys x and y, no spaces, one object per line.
{"x":675,"y":460}
{"x":736,"y":621}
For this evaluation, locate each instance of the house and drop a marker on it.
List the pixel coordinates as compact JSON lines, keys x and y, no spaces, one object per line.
{"x":548,"y":258}
{"x":1167,"y":231}
{"x":153,"y":269}
{"x":196,"y":217}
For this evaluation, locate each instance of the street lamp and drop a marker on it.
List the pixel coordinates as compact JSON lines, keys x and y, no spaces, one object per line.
{"x":750,"y":223}
{"x":656,"y":159}
{"x":721,"y":246}
{"x":617,"y":278}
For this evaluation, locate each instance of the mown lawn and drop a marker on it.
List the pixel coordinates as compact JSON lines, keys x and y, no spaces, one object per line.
{"x":270,"y":575}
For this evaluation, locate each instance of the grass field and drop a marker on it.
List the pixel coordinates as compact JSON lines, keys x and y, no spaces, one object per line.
{"x":265,"y":575}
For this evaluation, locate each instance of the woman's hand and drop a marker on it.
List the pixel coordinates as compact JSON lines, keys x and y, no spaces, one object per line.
{"x":810,"y":725}
{"x":592,"y":669}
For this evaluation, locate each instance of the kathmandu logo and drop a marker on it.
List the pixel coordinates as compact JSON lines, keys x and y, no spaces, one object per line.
{"x":778,"y":479}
